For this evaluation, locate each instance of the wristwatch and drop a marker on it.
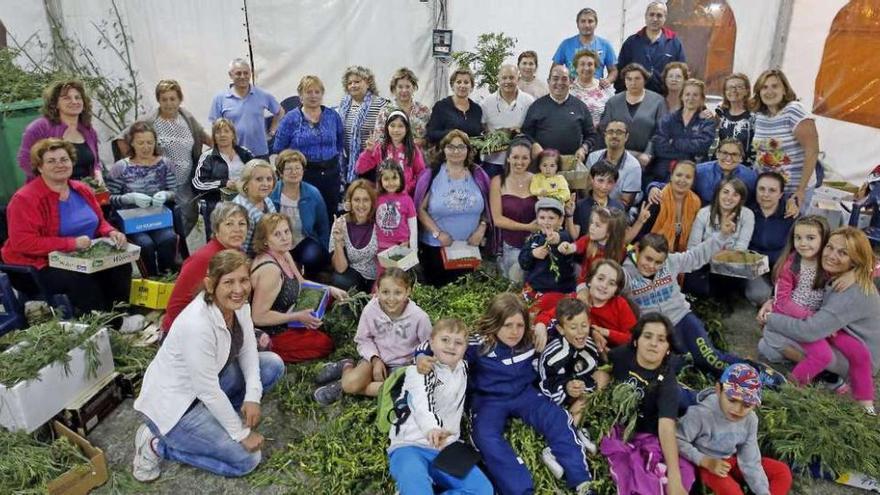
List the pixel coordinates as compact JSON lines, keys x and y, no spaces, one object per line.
{"x":435,"y":234}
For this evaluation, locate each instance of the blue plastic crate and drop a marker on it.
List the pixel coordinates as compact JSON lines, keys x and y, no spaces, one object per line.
{"x":322,"y":307}
{"x":136,"y":220}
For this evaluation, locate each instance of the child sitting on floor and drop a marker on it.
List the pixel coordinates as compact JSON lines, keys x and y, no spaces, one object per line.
{"x":720,"y":435}
{"x":436,"y":403}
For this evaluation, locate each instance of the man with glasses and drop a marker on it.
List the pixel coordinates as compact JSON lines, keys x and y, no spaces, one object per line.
{"x":629,"y":182}
{"x":653,"y":47}
{"x":559,"y":120}
{"x":729,"y":164}
{"x":244,"y":104}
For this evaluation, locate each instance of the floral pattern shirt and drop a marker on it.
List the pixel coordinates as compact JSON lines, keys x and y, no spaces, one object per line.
{"x":777,"y":149}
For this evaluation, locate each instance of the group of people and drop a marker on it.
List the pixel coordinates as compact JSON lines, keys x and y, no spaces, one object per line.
{"x":316,"y":191}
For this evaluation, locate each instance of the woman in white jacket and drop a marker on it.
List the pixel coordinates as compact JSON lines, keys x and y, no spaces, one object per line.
{"x":207,"y":370}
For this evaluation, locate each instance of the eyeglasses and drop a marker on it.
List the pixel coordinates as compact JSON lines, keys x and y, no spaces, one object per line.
{"x":735,"y":154}
{"x":615,"y":132}
{"x":456,"y":147}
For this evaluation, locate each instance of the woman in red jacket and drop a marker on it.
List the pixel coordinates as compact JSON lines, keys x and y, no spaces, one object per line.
{"x":55,"y":213}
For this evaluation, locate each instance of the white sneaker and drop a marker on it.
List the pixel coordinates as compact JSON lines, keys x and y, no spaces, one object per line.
{"x":146,"y":462}
{"x":551,"y":463}
{"x":584,"y":437}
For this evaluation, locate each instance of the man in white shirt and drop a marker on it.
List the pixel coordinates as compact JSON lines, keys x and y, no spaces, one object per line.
{"x":504,"y":109}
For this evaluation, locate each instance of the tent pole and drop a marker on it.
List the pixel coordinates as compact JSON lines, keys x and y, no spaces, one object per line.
{"x":777,"y":53}
{"x":441,"y":66}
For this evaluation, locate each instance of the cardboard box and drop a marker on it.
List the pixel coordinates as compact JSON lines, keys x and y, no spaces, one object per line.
{"x":150,"y":293}
{"x":832,"y":194}
{"x":409,"y":258}
{"x":92,"y":406}
{"x":461,"y":255}
{"x":569,"y":162}
{"x":740,"y":264}
{"x":577,"y":179}
{"x":82,"y":480}
{"x":831,"y":210}
{"x":28,"y":405}
{"x":66,"y":261}
{"x":130,"y":384}
{"x":322,"y":306}
{"x":136,"y":220}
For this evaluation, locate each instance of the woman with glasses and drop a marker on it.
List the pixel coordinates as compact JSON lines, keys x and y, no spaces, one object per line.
{"x":453,"y":202}
{"x":733,"y":116}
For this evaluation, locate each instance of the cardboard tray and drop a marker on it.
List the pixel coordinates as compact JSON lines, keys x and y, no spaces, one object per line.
{"x":577,"y":179}
{"x":752,"y":268}
{"x":150,"y":293}
{"x":136,"y":220}
{"x":322,"y":307}
{"x":80,"y":481}
{"x":28,"y":405}
{"x":409,"y":260}
{"x":66,"y":261}
{"x":460,"y":255}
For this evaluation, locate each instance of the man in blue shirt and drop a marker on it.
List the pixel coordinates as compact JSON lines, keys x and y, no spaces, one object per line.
{"x":729,"y":164}
{"x":244,"y":104}
{"x":586,"y":39}
{"x":653,"y":46}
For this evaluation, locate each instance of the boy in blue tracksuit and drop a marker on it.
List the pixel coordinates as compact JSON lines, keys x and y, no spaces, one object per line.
{"x":502,"y":386}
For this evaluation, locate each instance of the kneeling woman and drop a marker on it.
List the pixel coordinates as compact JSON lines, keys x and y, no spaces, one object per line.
{"x":205,"y":373}
{"x":277,"y":284}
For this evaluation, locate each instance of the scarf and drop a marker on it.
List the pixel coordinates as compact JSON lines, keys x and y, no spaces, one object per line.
{"x":665,"y":223}
{"x":354,"y":146}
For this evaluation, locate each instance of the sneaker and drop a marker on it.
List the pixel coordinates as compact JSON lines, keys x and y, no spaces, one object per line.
{"x":328,"y":394}
{"x":551,"y":463}
{"x":833,"y":382}
{"x":146,"y":461}
{"x":584,"y":437}
{"x":330,"y":372}
{"x":585,"y":488}
{"x":870,"y":411}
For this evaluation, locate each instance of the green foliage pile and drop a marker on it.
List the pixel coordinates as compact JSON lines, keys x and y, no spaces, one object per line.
{"x":42,"y":345}
{"x":128,"y":356}
{"x":97,"y":250}
{"x":17,"y":84}
{"x":466,"y":299}
{"x":27,"y":465}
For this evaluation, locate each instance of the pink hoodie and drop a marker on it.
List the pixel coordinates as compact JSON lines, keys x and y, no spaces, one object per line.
{"x":393,"y":340}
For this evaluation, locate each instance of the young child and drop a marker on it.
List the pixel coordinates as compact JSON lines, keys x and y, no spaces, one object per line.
{"x":652,"y":283}
{"x":569,"y":360}
{"x":502,"y":386}
{"x":436,"y":402}
{"x":389,"y":330}
{"x":395,"y":210}
{"x":720,"y":435}
{"x":399,"y":146}
{"x":549,"y":183}
{"x":603,"y":179}
{"x":549,"y":273}
{"x":611,"y":316}
{"x":605,"y":239}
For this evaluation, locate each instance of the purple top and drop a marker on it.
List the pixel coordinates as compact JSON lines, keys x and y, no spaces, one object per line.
{"x":360,"y":234}
{"x":520,"y":210}
{"x":42,"y":128}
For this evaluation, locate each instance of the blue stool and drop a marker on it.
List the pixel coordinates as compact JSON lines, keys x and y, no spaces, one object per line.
{"x":872,"y":231}
{"x":11,"y":308}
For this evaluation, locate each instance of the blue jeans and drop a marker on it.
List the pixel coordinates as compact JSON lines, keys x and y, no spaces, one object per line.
{"x":199,"y":440}
{"x":311,"y":255}
{"x":158,"y":249}
{"x":412,"y":471}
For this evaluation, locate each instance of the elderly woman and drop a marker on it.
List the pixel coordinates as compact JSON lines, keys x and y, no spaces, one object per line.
{"x":219,"y":168}
{"x":527,"y":63}
{"x":146,"y":178}
{"x":640,"y":109}
{"x":849,"y":318}
{"x":587,"y":88}
{"x":672,"y":214}
{"x":67,"y":115}
{"x":353,"y":241}
{"x":785,"y":138}
{"x":277,"y":286}
{"x":54,"y":213}
{"x":404,"y":85}
{"x":318,"y":133}
{"x":257,"y":183}
{"x":772,"y":227}
{"x":513,"y":207}
{"x":201,"y":393}
{"x":453,"y":202}
{"x":303,"y":205}
{"x":229,"y":223}
{"x":682,"y":135}
{"x":457,"y":111}
{"x":358,"y":110}
{"x":673,"y":77}
{"x":733,"y":116}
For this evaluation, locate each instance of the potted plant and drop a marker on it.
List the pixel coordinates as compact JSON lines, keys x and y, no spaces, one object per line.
{"x":487,"y":57}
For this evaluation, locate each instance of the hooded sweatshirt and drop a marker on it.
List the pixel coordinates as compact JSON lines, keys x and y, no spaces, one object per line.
{"x":661,"y":293}
{"x":392,"y":339}
{"x":436,"y":400}
{"x":706,"y":431}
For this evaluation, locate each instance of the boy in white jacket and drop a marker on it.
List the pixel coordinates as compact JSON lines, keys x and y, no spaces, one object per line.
{"x":436,"y":403}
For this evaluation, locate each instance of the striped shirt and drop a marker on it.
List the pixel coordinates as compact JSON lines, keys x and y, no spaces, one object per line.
{"x":254,"y":215}
{"x":561,"y":363}
{"x":126,"y":177}
{"x":318,"y":142}
{"x":777,"y":149}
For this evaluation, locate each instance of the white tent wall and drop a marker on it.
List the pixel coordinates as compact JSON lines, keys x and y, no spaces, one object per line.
{"x":323,"y":37}
{"x":851,"y":150}
{"x":22,"y":20}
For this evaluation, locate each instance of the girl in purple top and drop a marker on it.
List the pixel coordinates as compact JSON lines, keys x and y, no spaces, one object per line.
{"x":67,"y":115}
{"x":513,"y":207}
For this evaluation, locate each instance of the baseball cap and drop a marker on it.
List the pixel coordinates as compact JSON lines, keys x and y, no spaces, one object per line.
{"x":742,"y":382}
{"x":549,"y":204}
